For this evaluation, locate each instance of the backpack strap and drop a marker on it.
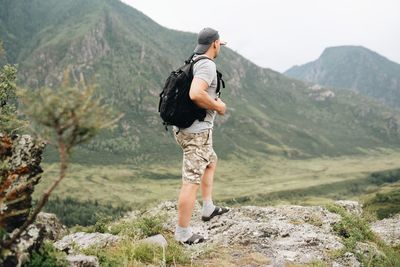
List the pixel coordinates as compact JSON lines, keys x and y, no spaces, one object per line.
{"x":191,"y":60}
{"x":187,"y":61}
{"x":194,"y":61}
{"x":199,"y":58}
{"x":220,"y":82}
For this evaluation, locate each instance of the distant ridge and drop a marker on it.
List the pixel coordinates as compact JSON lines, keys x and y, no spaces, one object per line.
{"x":356,"y":68}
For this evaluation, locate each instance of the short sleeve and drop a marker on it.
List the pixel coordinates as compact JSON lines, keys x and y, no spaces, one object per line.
{"x":205,"y":70}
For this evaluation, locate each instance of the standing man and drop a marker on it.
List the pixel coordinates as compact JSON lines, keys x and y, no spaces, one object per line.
{"x":199,"y":158}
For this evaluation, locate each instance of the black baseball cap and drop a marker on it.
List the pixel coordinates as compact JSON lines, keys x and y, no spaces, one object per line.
{"x":205,"y":38}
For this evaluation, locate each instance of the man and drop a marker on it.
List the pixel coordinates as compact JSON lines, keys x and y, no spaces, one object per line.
{"x":199,"y":158}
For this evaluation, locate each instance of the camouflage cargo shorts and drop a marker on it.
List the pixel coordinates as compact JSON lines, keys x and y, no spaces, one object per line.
{"x":198,"y":153}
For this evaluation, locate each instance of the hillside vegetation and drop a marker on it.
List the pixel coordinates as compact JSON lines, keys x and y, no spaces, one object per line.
{"x":129,"y":56}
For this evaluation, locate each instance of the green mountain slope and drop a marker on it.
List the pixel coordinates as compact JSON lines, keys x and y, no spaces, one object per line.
{"x":129,"y":56}
{"x":356,"y":68}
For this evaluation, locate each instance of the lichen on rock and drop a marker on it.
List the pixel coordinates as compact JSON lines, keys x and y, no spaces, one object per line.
{"x":21,"y":156}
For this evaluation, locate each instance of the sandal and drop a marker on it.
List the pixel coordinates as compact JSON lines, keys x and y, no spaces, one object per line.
{"x":194,"y":239}
{"x":217,"y":211}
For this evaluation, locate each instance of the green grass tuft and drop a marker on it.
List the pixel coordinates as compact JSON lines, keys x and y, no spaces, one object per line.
{"x":131,"y":252}
{"x":354,"y":230}
{"x":47,"y":256}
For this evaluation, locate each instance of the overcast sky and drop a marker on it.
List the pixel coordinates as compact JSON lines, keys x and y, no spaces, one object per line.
{"x":281,"y":33}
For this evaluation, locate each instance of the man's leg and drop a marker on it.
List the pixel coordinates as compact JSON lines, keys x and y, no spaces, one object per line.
{"x":207,"y":181}
{"x":186,"y":201}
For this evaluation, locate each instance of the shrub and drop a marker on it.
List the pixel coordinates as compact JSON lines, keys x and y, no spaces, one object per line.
{"x":47,"y":256}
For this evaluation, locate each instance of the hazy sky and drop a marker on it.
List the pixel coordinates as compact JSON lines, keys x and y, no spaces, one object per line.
{"x":281,"y":33}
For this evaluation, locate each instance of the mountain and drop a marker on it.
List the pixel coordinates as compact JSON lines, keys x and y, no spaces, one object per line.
{"x":356,"y":68}
{"x":129,"y":56}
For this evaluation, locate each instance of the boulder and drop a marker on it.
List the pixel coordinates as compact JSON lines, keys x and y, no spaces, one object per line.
{"x":83,"y":240}
{"x":53,"y":228}
{"x":388,"y":229}
{"x":81,"y":260}
{"x":156,"y":240}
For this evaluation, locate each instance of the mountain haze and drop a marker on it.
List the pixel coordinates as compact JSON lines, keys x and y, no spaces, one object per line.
{"x":356,"y":68}
{"x":129,"y":56}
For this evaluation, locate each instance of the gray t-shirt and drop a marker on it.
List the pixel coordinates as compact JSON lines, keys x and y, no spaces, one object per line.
{"x":206,"y":70}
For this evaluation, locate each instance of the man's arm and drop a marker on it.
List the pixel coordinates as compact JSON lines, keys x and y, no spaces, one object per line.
{"x":198,"y":94}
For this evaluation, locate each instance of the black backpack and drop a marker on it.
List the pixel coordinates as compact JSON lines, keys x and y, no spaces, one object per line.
{"x":175,"y":106}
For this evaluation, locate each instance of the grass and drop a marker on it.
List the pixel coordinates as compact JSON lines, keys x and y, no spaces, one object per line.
{"x":47,"y":256}
{"x":383,"y":203}
{"x":130,"y":251}
{"x":355,"y":230}
{"x":142,"y":186}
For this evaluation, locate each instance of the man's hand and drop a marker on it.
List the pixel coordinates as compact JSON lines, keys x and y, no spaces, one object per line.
{"x":221,"y":107}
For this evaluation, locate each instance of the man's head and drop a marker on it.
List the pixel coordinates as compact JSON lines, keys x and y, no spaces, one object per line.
{"x":208,"y":42}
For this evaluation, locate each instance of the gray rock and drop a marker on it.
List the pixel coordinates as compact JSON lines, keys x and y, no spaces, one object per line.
{"x":22,"y":156}
{"x":351,"y":206}
{"x":288,"y":234}
{"x":53,"y":228}
{"x":81,"y":260}
{"x":388,"y":229}
{"x":157,"y":240}
{"x":46,"y":226}
{"x":82,"y":240}
{"x":31,"y":239}
{"x":348,"y":259}
{"x":369,"y":250}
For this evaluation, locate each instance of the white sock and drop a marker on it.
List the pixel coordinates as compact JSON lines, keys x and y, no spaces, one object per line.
{"x":182,"y":234}
{"x":208,"y":208}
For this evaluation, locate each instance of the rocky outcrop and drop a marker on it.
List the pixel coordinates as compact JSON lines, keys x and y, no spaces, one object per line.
{"x":46,"y":227}
{"x":320,"y":94}
{"x":20,"y":171}
{"x":281,"y":235}
{"x":81,"y":240}
{"x":294,"y":234}
{"x":73,"y":243}
{"x":388,"y":229}
{"x":21,"y":157}
{"x":78,"y":59}
{"x":286,"y":234}
{"x":53,"y":229}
